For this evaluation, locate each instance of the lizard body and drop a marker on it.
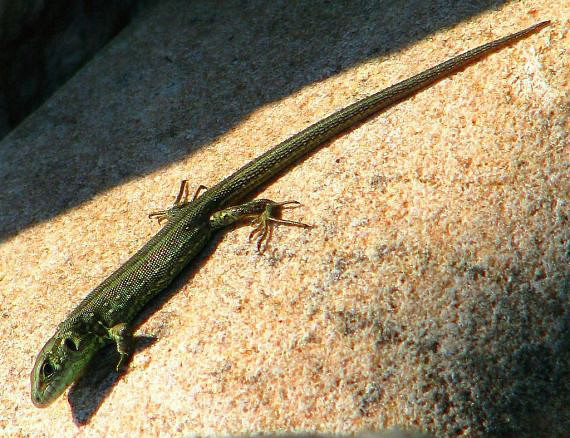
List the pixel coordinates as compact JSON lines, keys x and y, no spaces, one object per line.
{"x":106,"y":314}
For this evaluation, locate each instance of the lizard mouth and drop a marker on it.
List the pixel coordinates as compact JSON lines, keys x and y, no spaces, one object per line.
{"x":45,"y":393}
{"x":42,"y":397}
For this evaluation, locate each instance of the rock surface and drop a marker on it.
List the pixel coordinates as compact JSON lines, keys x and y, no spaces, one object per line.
{"x":432,"y":292}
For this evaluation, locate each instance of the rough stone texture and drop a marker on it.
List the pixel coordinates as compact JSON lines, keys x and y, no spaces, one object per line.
{"x":43,"y":43}
{"x":432,"y":292}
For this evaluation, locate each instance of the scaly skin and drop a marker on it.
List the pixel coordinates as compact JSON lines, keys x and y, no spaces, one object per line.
{"x":106,"y":313}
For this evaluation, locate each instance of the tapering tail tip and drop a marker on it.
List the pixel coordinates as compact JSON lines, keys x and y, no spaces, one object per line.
{"x":534,"y":28}
{"x":540,"y":25}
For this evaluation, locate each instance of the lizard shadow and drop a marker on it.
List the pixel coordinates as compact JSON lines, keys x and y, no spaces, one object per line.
{"x":87,"y":395}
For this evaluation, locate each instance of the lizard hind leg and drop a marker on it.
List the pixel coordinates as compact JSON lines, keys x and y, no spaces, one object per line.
{"x":181,"y":200}
{"x":261,"y":211}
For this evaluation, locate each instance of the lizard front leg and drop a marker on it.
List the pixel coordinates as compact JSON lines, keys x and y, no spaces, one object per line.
{"x":122,"y":337}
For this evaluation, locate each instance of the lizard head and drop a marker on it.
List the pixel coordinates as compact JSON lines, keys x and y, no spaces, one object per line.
{"x":62,"y":360}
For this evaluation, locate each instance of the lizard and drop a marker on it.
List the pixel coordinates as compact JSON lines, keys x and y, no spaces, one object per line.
{"x":106,"y":314}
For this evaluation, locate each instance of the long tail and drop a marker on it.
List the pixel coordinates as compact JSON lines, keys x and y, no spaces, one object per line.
{"x":258,"y":171}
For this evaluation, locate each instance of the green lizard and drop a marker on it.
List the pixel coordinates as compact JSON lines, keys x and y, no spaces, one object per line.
{"x":105,"y":315}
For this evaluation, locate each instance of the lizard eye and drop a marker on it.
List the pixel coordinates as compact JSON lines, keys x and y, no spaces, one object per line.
{"x":47,"y":370}
{"x":70,"y":345}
